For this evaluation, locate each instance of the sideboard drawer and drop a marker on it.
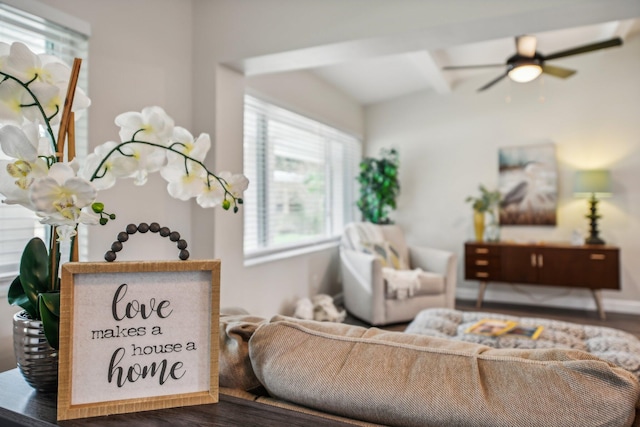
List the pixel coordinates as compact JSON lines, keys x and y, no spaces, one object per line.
{"x":482,"y":274}
{"x":478,"y":249}
{"x":482,"y":262}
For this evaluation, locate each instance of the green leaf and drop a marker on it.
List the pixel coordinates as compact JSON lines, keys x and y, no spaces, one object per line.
{"x":50,"y":322}
{"x":34,"y":269}
{"x":16,"y":296}
{"x":52,"y":302}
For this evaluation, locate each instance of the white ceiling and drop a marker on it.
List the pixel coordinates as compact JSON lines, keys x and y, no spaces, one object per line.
{"x":380,"y":78}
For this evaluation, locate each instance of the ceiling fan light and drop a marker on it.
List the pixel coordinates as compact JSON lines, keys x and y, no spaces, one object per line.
{"x":525,"y":73}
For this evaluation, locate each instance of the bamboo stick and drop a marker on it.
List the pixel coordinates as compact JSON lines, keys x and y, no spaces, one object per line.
{"x":71,"y":154}
{"x":68,"y":103}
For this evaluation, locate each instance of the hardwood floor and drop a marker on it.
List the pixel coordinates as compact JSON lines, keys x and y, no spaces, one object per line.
{"x":625,"y":322}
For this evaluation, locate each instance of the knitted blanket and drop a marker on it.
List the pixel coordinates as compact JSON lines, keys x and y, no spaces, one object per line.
{"x":613,"y":345}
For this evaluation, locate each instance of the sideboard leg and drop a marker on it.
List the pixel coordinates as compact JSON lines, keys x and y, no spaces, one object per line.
{"x":597,"y":296}
{"x":481,"y":289}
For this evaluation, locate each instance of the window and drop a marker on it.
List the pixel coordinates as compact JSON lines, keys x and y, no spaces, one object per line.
{"x":17,"y":224}
{"x":302,"y":177}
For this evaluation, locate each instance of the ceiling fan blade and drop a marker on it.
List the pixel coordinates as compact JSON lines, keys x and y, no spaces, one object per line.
{"x":557,"y":71}
{"x":586,"y":48}
{"x":526,"y":46}
{"x":492,"y":82}
{"x":462,"y":67}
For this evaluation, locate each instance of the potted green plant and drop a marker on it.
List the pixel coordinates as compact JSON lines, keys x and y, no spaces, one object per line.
{"x":379,"y":186}
{"x":487,"y":202}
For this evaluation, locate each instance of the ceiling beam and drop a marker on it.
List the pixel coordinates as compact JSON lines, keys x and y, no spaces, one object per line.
{"x":431,"y":69}
{"x":623,"y":28}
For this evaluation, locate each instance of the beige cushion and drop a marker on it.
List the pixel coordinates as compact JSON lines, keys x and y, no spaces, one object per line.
{"x":387,"y":254}
{"x":395,"y":378}
{"x":430,"y":283}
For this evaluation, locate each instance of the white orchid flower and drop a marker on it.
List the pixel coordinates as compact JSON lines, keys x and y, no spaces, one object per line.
{"x":14,"y":193}
{"x":65,"y":233}
{"x":26,"y":66}
{"x":80,"y":103}
{"x":150,"y":125}
{"x":236,"y":183}
{"x":145,"y":160}
{"x":212,"y":196}
{"x":20,"y":143}
{"x":186,"y":179}
{"x":17,"y":176}
{"x":114,"y":166}
{"x":46,"y":76}
{"x":51,"y":99}
{"x":183,"y":141}
{"x":66,"y":230}
{"x":11,"y":94}
{"x":61,"y":195}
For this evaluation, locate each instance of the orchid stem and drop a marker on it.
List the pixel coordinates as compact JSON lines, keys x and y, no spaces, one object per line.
{"x":222,"y":182}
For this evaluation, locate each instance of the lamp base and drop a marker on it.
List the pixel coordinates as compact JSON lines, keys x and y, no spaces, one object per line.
{"x":593,"y":240}
{"x":593,"y":216}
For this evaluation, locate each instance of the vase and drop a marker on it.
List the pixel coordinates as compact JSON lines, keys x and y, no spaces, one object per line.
{"x":492,"y":228}
{"x":36,"y":359}
{"x":478,"y":225}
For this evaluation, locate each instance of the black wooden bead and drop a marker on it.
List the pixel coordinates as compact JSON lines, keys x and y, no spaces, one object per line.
{"x":184,"y":254}
{"x":164,"y":231}
{"x":154,"y":227}
{"x":174,"y":236}
{"x":143,"y":227}
{"x":182,"y":244}
{"x":116,"y":246}
{"x":110,"y":256}
{"x":122,"y":236}
{"x":131,"y":228}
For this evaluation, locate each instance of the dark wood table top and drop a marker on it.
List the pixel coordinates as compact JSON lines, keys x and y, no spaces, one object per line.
{"x":21,"y":405}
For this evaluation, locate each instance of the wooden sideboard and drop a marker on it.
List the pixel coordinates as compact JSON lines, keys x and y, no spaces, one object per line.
{"x":594,"y":267}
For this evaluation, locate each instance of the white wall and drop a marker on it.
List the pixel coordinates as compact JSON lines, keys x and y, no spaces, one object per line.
{"x":449,"y":144}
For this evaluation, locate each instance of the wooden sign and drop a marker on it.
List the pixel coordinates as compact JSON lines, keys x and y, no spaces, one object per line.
{"x":137,"y":336}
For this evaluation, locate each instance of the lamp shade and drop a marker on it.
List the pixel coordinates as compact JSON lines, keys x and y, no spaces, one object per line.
{"x":596,"y":182}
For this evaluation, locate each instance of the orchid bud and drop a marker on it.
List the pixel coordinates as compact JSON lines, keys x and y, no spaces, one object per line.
{"x":97,"y":207}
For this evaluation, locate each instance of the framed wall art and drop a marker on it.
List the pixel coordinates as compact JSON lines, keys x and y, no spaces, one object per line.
{"x":528,"y":183}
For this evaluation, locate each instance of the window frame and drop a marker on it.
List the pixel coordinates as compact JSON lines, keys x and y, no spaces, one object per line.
{"x":348,"y":206}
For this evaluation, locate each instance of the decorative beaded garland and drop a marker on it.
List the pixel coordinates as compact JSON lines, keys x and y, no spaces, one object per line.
{"x":143,"y":227}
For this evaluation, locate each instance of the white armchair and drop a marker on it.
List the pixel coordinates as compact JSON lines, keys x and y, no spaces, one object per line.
{"x":367,"y":293}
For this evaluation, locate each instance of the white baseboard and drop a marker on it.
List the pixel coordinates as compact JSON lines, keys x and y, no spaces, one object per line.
{"x":578,"y":299}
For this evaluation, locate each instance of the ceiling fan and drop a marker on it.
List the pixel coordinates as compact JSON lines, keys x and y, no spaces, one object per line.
{"x":527,"y":63}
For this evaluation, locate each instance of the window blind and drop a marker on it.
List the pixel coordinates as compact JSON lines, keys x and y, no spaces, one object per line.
{"x":303,"y":179}
{"x":18,"y":224}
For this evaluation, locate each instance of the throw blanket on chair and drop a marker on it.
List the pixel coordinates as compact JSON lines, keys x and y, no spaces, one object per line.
{"x":401,"y":284}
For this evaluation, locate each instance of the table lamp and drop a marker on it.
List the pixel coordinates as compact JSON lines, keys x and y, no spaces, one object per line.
{"x":594,"y":184}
